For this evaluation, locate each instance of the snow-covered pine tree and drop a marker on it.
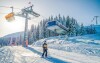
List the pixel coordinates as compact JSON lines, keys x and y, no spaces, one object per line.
{"x":37,"y":32}
{"x":82,"y":29}
{"x":42,"y":32}
{"x":64,"y":21}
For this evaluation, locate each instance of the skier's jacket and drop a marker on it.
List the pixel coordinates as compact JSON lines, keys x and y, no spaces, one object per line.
{"x":44,"y":46}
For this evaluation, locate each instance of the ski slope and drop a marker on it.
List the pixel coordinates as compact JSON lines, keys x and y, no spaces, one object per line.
{"x":18,"y":54}
{"x":87,"y":44}
{"x":80,"y":49}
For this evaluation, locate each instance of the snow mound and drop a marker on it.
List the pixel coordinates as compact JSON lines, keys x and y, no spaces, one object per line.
{"x":87,"y":44}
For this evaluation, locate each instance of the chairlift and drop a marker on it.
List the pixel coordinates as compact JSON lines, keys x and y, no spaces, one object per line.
{"x":56,"y":27}
{"x":10,"y":17}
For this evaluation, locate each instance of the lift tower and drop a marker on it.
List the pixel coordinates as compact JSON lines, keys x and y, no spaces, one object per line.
{"x":25,"y":13}
{"x":96,"y":17}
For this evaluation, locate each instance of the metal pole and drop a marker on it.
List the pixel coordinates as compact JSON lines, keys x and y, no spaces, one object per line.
{"x":26,"y":30}
{"x":24,"y":13}
{"x":12,"y":8}
{"x":96,"y":19}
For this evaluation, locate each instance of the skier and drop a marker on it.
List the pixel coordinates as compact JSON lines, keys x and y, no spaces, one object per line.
{"x":44,"y":46}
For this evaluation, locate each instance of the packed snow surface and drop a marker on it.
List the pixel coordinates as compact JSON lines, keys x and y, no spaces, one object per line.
{"x":61,"y":49}
{"x":31,"y":54}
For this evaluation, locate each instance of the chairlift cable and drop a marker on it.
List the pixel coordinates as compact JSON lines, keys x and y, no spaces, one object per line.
{"x":3,"y":13}
{"x":9,"y":7}
{"x":7,"y":13}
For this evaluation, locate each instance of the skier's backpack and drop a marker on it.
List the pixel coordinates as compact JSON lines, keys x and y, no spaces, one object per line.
{"x":45,"y":46}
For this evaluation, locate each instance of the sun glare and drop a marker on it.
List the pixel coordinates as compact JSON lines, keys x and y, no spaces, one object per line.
{"x":15,"y":26}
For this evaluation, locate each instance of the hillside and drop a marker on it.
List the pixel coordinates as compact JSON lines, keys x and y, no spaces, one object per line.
{"x":17,"y":34}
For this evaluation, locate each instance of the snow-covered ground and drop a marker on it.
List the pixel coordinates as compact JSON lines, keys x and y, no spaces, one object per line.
{"x":80,"y":49}
{"x":31,"y":54}
{"x":18,"y":54}
{"x":88,"y":44}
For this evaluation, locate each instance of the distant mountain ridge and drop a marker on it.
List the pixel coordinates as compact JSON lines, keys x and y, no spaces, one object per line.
{"x":17,"y":34}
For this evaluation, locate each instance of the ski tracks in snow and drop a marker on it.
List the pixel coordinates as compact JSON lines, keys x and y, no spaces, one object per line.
{"x":66,"y":57}
{"x":6,"y":55}
{"x":31,"y":54}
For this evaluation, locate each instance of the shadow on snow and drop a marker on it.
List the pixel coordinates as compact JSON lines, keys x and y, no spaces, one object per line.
{"x":51,"y":59}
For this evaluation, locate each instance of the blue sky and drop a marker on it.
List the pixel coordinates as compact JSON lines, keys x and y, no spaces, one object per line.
{"x":82,"y":10}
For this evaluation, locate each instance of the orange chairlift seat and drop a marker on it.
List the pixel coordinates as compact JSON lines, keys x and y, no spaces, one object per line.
{"x":10,"y":17}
